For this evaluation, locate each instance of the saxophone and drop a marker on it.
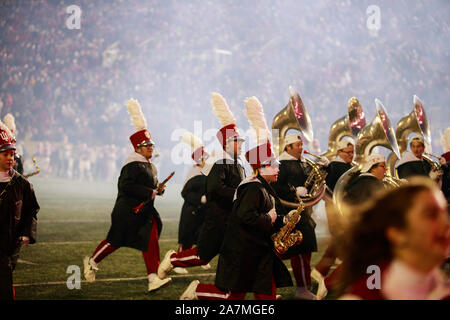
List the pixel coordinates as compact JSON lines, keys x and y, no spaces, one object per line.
{"x":285,"y":238}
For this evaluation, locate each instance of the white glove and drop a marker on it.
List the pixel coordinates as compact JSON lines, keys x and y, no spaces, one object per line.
{"x":203,"y":199}
{"x":289,"y":215}
{"x":301,"y":191}
{"x":324,"y":161}
{"x":273,"y":214}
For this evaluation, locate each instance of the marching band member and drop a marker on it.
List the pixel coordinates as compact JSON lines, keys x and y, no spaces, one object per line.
{"x":445,"y":164}
{"x":224,"y":172}
{"x":294,"y":172}
{"x":366,"y":185}
{"x":18,"y":210}
{"x":341,"y":163}
{"x":412,"y":162}
{"x":194,"y":195}
{"x":137,"y":183}
{"x":9,"y":121}
{"x":247,"y":260}
{"x":403,"y":237}
{"x":337,"y":167}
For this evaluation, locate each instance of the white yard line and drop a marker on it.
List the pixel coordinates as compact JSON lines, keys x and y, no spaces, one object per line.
{"x":189,"y":275}
{"x":86,"y":242}
{"x":90,"y":220}
{"x":112,"y":279}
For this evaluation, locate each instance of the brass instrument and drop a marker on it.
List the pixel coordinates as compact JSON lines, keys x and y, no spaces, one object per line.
{"x":378,"y":133}
{"x":416,"y":121}
{"x":435,"y":166}
{"x":295,"y":116}
{"x":349,"y":125}
{"x":26,"y":176}
{"x":285,"y":238}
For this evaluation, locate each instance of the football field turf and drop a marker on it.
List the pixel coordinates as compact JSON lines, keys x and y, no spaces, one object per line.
{"x":74,"y":218}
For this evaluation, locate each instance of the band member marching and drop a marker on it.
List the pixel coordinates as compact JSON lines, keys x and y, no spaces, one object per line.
{"x":247,"y":260}
{"x":194,"y":195}
{"x":224,"y":173}
{"x":365,"y":185}
{"x":412,"y":163}
{"x":294,"y":172}
{"x":10,"y":122}
{"x":138,"y":185}
{"x":18,"y":211}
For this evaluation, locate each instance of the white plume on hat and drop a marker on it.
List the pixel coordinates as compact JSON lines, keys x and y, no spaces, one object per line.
{"x":221,"y":109}
{"x":8,"y":132}
{"x":193,"y":141}
{"x":10,"y":122}
{"x":255,"y":114}
{"x":445,"y":140}
{"x":136,"y":115}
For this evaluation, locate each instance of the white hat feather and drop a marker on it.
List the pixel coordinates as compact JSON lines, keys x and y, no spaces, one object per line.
{"x":10,"y":122}
{"x":255,"y":114}
{"x":445,"y":140}
{"x":136,"y":115}
{"x":221,"y":109}
{"x":193,"y":141}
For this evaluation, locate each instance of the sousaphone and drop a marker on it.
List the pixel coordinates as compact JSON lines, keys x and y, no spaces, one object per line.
{"x":378,"y":133}
{"x":293,"y":116}
{"x":349,"y":125}
{"x":416,"y":121}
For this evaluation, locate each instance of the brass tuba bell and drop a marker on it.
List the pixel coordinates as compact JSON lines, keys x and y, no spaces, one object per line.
{"x":349,"y":125}
{"x":416,"y":121}
{"x":293,"y":116}
{"x":378,"y":133}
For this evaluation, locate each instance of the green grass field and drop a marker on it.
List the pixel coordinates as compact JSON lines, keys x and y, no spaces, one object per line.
{"x":74,"y":218}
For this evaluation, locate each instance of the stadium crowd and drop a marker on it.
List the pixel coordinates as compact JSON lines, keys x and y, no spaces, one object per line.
{"x":67,"y":88}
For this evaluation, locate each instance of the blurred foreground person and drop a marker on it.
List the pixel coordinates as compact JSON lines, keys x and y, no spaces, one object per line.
{"x":393,"y":249}
{"x":139,"y":230}
{"x":18,"y":210}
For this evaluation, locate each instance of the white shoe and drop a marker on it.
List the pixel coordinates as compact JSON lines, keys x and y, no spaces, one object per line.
{"x":157,"y":283}
{"x":90,"y":267}
{"x":180,"y":270}
{"x":189,"y":293}
{"x":304,"y":294}
{"x":322,"y":290}
{"x":206,"y":266}
{"x":165,"y":266}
